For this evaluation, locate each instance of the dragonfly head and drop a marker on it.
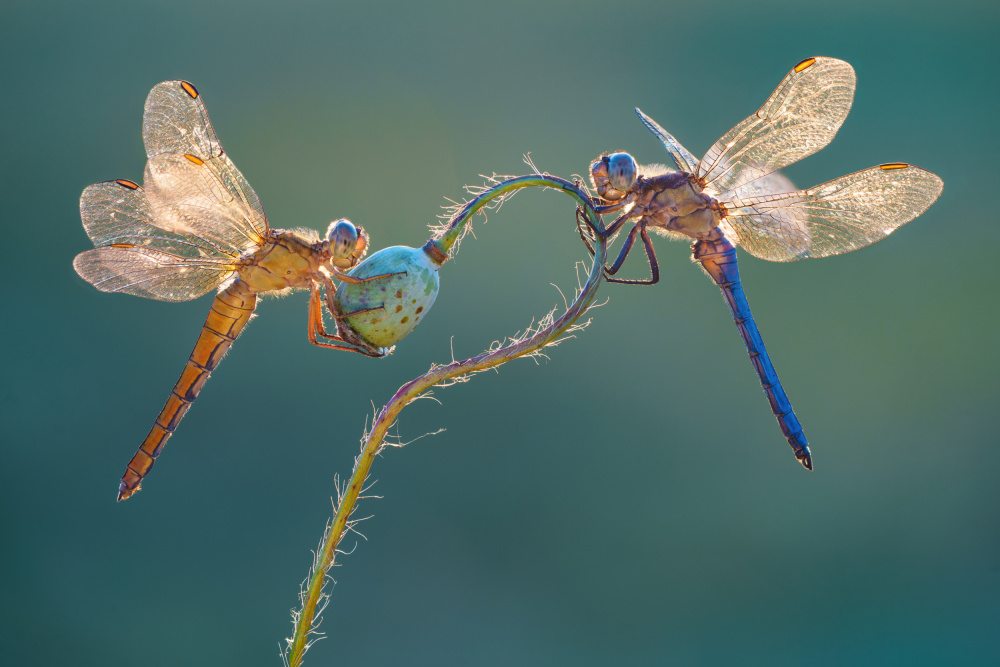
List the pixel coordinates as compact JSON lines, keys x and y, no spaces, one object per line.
{"x":613,"y":175}
{"x":346,"y":243}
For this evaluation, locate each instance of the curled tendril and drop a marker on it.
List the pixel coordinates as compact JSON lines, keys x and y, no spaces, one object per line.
{"x":550,"y":330}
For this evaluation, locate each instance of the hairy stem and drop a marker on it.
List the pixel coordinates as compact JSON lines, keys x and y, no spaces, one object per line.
{"x":547,"y":335}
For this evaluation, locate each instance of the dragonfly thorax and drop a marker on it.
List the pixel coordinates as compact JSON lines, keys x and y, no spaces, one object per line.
{"x":673,"y":202}
{"x":285,"y":260}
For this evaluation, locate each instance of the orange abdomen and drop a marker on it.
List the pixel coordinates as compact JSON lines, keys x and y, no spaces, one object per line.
{"x":230,"y":313}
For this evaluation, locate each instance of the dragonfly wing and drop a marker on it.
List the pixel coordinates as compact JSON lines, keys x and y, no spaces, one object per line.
{"x":772,"y":184}
{"x":841,"y":215}
{"x":681,"y":156}
{"x":150,"y":273}
{"x":176,"y":121}
{"x":136,"y":256}
{"x":800,"y":117}
{"x":118,"y":212}
{"x":190,"y":196}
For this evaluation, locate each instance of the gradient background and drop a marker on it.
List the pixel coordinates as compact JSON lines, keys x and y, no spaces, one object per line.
{"x":631,"y":501}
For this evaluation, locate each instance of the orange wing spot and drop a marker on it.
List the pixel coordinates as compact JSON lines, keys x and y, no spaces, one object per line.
{"x":805,"y":64}
{"x":893,"y":165}
{"x":127,"y":184}
{"x":194,"y":158}
{"x":189,"y":89}
{"x":122,"y":245}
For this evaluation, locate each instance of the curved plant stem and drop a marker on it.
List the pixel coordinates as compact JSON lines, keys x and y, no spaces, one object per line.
{"x":454,"y":230}
{"x":548,"y":333}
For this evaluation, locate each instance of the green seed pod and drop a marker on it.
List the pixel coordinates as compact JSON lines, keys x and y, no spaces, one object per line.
{"x":383,"y":311}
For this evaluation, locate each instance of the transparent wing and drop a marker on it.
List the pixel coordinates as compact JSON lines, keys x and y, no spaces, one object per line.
{"x":191,"y":196}
{"x":117,"y":212}
{"x":772,"y":184}
{"x":136,"y":256}
{"x":681,"y":156}
{"x":150,"y":273}
{"x":836,"y":217}
{"x":176,"y":121}
{"x":800,"y":117}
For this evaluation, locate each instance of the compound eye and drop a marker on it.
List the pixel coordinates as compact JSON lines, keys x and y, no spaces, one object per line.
{"x":342,"y":236}
{"x":622,"y":171}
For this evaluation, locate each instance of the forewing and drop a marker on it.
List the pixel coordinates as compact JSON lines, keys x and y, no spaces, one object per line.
{"x":681,"y":156}
{"x":191,"y":196}
{"x":800,"y":117}
{"x":836,"y":217}
{"x":135,"y":256}
{"x":176,"y":122}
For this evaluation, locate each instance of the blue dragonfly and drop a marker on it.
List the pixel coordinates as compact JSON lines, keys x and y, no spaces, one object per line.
{"x":735,"y":195}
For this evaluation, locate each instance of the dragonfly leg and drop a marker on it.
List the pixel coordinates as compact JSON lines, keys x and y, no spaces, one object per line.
{"x":611,"y":208}
{"x":334,"y":309}
{"x":613,"y":228}
{"x":583,"y":235}
{"x":654,"y":266}
{"x":358,"y":281}
{"x":317,"y":330}
{"x":343,"y":316}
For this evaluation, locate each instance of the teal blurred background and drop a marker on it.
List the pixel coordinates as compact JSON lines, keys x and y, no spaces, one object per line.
{"x":631,"y":501}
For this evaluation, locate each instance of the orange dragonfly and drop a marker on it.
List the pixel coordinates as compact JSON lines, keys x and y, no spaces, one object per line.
{"x":196,"y":225}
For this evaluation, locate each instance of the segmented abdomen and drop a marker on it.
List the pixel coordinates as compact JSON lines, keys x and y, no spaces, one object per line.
{"x":718,"y":257}
{"x":231,"y":310}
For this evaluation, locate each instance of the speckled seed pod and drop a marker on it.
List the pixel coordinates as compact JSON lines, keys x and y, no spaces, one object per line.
{"x":387,"y":309}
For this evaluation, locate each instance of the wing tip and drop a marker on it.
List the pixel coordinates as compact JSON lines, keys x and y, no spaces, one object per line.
{"x":646,"y":120}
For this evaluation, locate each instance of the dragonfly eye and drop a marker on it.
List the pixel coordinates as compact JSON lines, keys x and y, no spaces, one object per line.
{"x":361,"y":248}
{"x":622,"y":171}
{"x":613,"y":175}
{"x":342,"y":236}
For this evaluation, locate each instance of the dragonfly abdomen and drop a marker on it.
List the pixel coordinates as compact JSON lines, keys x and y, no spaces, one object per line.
{"x":718,"y":257}
{"x":230,"y":313}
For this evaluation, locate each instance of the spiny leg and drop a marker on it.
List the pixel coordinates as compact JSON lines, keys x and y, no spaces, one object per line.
{"x":613,"y":228}
{"x":347,"y":332}
{"x":596,"y":226}
{"x":607,"y":233}
{"x":583,"y":235}
{"x":654,"y":266}
{"x":317,"y":328}
{"x":331,"y":303}
{"x":611,"y":208}
{"x":343,"y":277}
